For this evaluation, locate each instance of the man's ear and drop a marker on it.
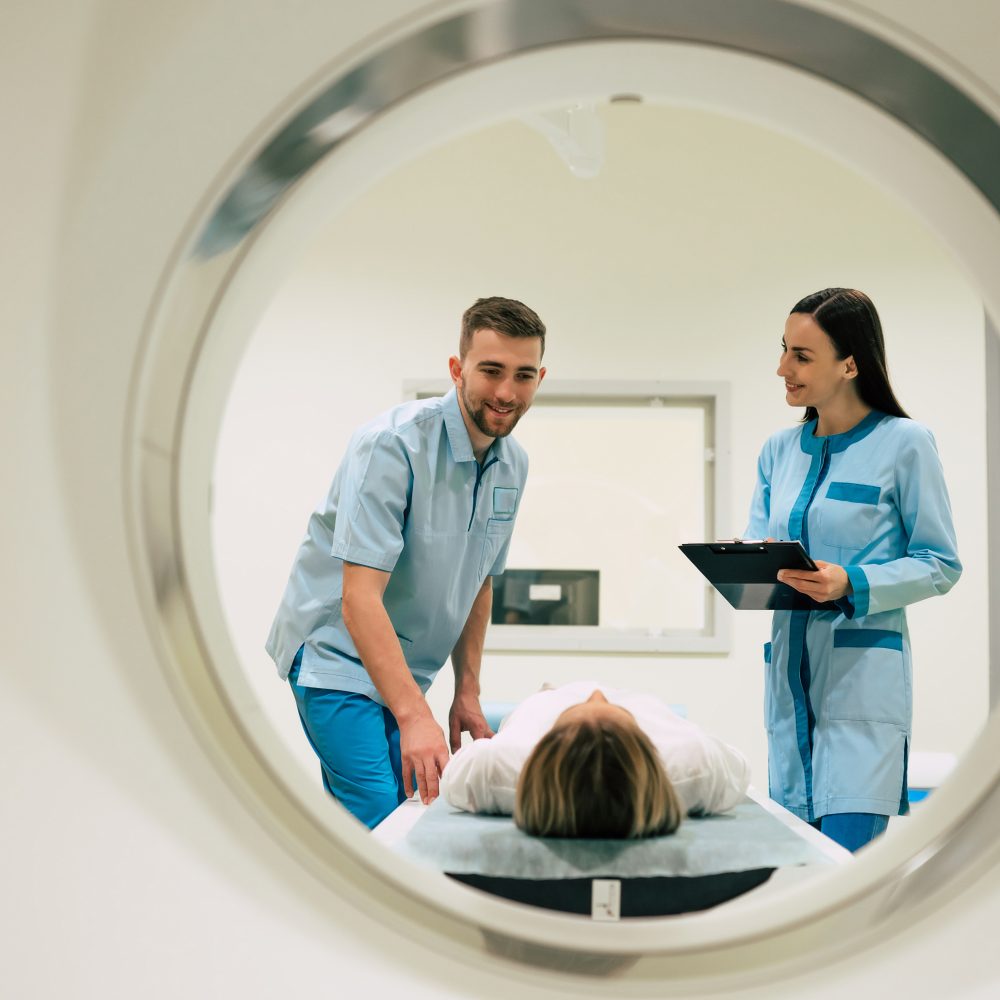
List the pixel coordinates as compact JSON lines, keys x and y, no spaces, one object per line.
{"x":455,"y":369}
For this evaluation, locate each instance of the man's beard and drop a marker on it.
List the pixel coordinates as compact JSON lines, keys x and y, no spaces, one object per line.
{"x":480,"y":417}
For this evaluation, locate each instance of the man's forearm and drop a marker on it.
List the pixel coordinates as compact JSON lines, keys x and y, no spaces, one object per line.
{"x":378,"y":646}
{"x":467,"y":656}
{"x":422,"y":749}
{"x":466,"y":715}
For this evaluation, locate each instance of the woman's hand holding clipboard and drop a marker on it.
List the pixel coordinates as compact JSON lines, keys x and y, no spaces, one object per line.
{"x":766,"y":574}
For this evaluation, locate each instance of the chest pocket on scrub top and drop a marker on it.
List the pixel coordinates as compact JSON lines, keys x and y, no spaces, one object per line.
{"x":499,"y":527}
{"x":847,"y":514}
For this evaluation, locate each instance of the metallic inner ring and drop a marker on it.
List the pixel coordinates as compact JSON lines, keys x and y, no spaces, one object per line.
{"x":841,"y":53}
{"x":805,"y":39}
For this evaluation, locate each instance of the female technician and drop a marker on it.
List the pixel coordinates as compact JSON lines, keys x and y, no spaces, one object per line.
{"x":861,"y":485}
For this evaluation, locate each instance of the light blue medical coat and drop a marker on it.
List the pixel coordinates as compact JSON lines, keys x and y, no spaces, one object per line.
{"x":409,"y":498}
{"x":838,"y":700}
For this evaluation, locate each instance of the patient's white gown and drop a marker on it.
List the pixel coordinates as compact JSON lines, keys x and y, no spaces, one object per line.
{"x":709,"y":776}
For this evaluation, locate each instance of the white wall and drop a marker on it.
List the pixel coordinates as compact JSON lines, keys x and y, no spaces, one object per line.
{"x":680,"y":261}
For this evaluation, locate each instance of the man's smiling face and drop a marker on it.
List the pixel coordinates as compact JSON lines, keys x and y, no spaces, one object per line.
{"x":496,"y":382}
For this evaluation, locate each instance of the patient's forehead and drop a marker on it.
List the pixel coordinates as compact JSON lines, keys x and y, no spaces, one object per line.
{"x":594,"y":710}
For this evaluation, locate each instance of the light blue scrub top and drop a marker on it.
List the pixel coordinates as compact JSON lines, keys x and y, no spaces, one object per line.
{"x":838,"y":700}
{"x":409,"y":498}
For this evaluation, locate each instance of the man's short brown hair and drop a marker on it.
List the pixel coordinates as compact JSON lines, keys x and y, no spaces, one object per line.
{"x":506,"y":316}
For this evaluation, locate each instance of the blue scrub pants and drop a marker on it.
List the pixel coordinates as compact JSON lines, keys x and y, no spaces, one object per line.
{"x":852,"y":830}
{"x":357,"y":742}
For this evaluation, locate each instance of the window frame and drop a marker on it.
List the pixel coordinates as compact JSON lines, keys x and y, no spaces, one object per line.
{"x":716,"y":634}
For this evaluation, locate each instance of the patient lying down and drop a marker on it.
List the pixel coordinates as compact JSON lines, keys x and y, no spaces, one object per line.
{"x":585,"y":760}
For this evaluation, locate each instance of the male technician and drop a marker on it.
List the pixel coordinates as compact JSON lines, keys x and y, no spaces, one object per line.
{"x":394,"y":575}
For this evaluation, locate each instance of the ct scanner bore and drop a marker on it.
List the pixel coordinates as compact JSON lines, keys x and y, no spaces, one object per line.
{"x":184,"y":349}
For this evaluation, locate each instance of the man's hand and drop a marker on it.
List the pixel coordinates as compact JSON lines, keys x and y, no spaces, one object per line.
{"x":466,"y":716}
{"x":828,"y":583}
{"x":423,"y":754}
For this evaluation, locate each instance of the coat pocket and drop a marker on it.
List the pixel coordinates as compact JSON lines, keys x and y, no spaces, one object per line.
{"x":847,"y":515}
{"x":868,"y":679}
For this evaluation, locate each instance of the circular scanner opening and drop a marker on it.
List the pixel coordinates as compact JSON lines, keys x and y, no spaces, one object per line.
{"x":222,"y":296}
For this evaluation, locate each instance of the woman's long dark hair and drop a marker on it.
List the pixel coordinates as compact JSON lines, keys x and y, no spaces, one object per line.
{"x":849,"y":319}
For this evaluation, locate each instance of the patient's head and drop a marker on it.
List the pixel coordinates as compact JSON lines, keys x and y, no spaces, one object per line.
{"x":595,"y":773}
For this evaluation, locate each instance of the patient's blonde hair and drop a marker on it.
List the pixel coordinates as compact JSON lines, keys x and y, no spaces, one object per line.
{"x":595,"y":778}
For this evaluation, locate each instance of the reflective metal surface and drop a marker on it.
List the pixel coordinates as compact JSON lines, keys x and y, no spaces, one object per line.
{"x":175,"y":345}
{"x":807,"y":39}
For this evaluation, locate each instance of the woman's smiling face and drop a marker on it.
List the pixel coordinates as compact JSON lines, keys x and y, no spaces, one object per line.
{"x":813,"y":374}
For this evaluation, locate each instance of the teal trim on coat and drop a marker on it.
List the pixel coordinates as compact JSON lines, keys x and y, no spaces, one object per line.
{"x":854,"y":493}
{"x":798,"y":656}
{"x":857,"y":601}
{"x":867,"y":638}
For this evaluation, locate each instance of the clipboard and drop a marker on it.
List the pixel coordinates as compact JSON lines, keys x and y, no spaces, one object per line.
{"x":745,"y":573}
